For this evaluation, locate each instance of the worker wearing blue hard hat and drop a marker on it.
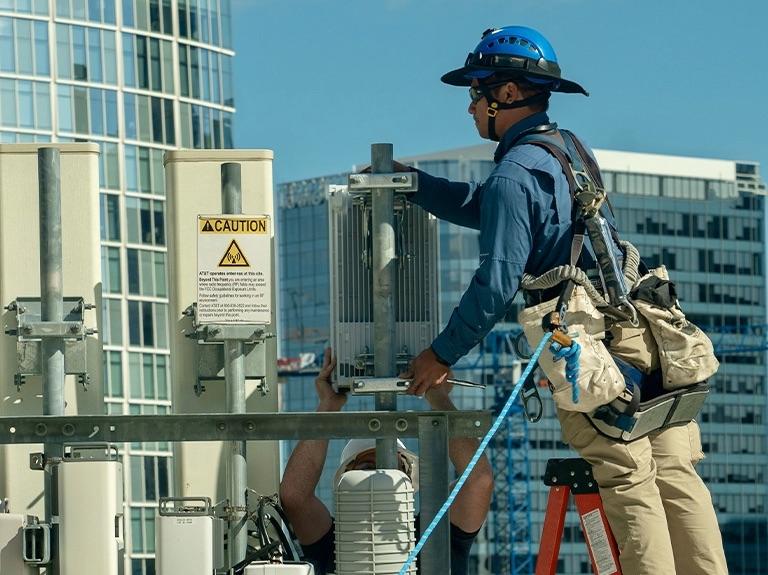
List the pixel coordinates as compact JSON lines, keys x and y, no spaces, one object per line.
{"x":659,"y":510}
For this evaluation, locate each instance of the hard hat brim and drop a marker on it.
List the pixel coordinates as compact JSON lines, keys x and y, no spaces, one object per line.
{"x":463,"y":77}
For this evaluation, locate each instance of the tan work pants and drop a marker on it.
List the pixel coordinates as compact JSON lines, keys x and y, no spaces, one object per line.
{"x":658,"y":507}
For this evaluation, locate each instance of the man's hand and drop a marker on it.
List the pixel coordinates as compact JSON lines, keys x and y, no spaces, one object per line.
{"x":396,"y":167}
{"x":426,"y":371}
{"x":329,"y":399}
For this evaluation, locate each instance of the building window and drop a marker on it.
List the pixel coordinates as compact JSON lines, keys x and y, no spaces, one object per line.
{"x":87,"y":110}
{"x":110,"y":217}
{"x":110,"y":269}
{"x":205,"y":21}
{"x":148,"y":15}
{"x":24,"y":46}
{"x":148,"y":374}
{"x":148,"y":324}
{"x":149,"y":119}
{"x":150,"y":477}
{"x":113,"y":321}
{"x":143,"y":531}
{"x":145,"y":221}
{"x":113,"y":374}
{"x":87,"y":54}
{"x":147,"y":273}
{"x":37,"y":7}
{"x":205,"y":75}
{"x":144,"y":170}
{"x":25,"y":104}
{"x":102,"y":11}
{"x":148,"y":63}
{"x":204,"y":127}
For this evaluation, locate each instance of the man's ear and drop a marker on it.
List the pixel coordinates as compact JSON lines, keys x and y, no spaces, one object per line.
{"x":510,"y":92}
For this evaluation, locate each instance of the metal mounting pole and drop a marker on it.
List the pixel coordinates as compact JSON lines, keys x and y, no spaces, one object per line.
{"x":383,"y":226}
{"x":433,"y":480}
{"x":234,"y":372}
{"x":52,"y":309}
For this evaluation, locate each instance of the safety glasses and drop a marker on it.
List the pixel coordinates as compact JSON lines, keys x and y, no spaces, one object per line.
{"x":477,"y":93}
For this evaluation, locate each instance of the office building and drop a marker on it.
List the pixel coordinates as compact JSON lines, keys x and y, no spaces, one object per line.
{"x":137,"y":77}
{"x":704,"y":219}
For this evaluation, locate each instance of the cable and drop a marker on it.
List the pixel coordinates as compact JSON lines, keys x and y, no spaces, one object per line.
{"x":480,"y":450}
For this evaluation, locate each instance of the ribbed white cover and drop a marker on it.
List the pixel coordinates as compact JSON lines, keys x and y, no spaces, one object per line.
{"x":374,"y":522}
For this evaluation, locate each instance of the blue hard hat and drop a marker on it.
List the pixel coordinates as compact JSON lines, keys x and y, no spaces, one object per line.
{"x":513,"y":52}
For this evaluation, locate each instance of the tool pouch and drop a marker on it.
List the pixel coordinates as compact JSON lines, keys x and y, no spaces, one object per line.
{"x":686,"y":355}
{"x":600,"y":380}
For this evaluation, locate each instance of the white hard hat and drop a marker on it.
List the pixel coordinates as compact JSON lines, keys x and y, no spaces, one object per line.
{"x":355,"y":447}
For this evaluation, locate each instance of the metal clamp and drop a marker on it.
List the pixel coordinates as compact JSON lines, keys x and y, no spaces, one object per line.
{"x":36,"y":543}
{"x":168,"y":506}
{"x":398,"y":181}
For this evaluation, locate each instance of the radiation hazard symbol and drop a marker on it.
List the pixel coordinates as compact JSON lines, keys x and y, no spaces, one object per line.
{"x":234,"y":257}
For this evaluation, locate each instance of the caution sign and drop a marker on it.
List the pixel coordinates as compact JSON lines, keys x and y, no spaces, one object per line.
{"x":234,"y":269}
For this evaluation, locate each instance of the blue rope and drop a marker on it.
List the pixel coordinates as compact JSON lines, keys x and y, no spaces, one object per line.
{"x":571,"y":355}
{"x":483,"y":444}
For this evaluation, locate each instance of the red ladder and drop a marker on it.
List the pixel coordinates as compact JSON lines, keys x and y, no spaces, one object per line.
{"x":566,"y":476}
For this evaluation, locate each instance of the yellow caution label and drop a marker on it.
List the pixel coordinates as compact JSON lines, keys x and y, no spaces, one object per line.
{"x":234,"y":225}
{"x":234,"y":257}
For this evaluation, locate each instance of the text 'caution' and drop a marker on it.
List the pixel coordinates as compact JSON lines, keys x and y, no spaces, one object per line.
{"x":234,"y":225}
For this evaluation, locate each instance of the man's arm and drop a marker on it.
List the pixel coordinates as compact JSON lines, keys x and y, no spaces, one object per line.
{"x":455,"y":202}
{"x":308,"y":516}
{"x":505,"y":245}
{"x":470,"y":508}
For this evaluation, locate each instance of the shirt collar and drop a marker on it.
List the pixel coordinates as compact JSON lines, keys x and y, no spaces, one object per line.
{"x":515,"y":130}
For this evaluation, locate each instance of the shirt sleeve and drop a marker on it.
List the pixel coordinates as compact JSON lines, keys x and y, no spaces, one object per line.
{"x":321,"y":553}
{"x":455,"y":202}
{"x":505,"y":245}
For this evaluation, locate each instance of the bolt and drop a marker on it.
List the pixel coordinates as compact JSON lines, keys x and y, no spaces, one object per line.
{"x":26,"y":330}
{"x":68,"y":429}
{"x":575,"y":485}
{"x":214,"y":331}
{"x":11,"y":306}
{"x":477,"y":423}
{"x":554,"y":480}
{"x":221,"y":426}
{"x":74,"y":328}
{"x":400,"y":179}
{"x":435,"y":423}
{"x":250,"y":426}
{"x":89,"y":306}
{"x":41,"y":429}
{"x":359,"y":384}
{"x":573,"y":474}
{"x":590,"y":484}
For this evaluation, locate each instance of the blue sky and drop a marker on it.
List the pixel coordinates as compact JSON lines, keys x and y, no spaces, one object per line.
{"x":318,"y":81}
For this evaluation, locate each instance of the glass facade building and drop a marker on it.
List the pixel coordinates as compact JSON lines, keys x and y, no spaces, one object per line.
{"x":703,"y":219}
{"x":137,"y":77}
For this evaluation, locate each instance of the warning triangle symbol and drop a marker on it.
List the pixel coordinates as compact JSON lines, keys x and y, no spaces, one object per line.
{"x":208,"y":227}
{"x":234,"y":257}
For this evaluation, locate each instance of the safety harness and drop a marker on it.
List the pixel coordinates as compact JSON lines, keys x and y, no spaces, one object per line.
{"x":644,"y":406}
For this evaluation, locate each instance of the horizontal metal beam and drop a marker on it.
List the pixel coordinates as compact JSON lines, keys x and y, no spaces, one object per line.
{"x":228,"y":427}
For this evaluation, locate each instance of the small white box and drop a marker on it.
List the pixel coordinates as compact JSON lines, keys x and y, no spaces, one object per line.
{"x":265,"y":568}
{"x":188,"y":542}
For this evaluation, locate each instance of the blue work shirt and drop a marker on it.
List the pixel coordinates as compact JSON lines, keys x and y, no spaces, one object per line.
{"x":523,"y":212}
